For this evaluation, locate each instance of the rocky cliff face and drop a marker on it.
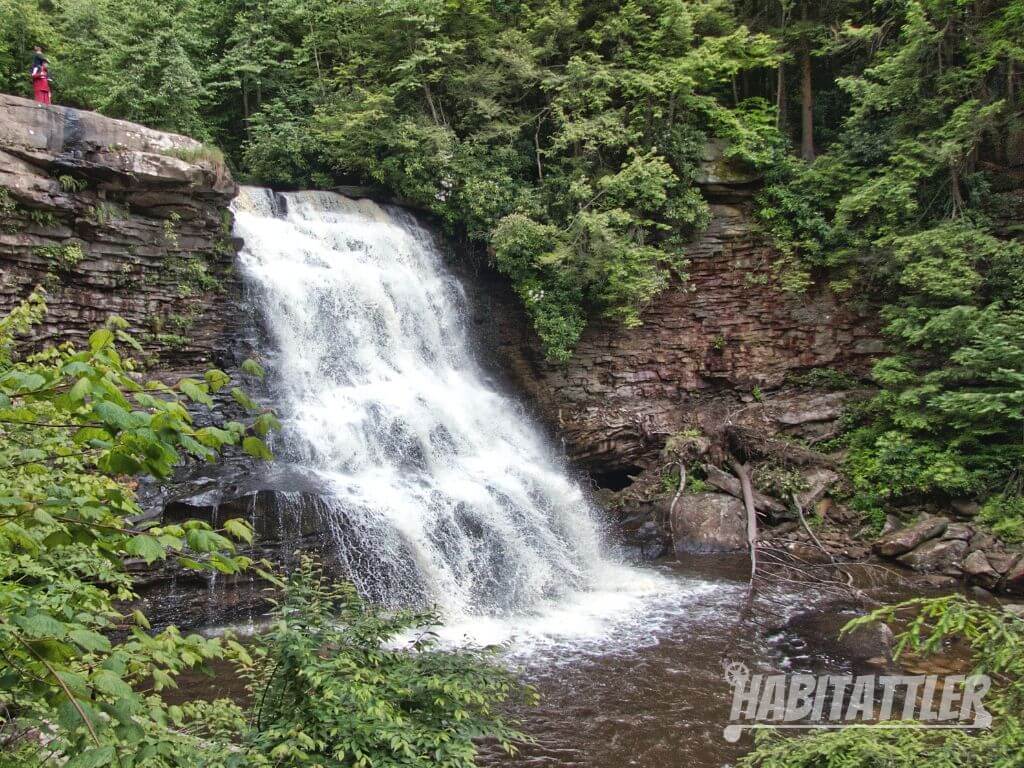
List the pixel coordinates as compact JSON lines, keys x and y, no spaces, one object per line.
{"x":728,"y":335}
{"x":113,"y":218}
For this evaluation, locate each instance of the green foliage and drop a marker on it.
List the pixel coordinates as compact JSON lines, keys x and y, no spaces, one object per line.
{"x":23,"y":24}
{"x":334,"y":683}
{"x":996,"y":640}
{"x":779,"y":481}
{"x":75,"y":424}
{"x":824,"y":378}
{"x":566,"y":139}
{"x":900,"y":209}
{"x":63,"y":257}
{"x":1004,"y":514}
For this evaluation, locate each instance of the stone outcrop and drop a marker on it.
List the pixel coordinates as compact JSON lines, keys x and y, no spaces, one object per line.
{"x":113,"y":218}
{"x":934,"y":545}
{"x":708,"y":523}
{"x":938,"y":555}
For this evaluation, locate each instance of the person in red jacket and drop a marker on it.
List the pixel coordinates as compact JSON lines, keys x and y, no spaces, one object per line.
{"x":41,"y":82}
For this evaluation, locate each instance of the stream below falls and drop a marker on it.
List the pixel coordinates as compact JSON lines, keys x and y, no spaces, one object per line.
{"x":647,"y":687}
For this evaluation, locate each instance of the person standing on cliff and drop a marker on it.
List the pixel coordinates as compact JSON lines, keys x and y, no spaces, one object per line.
{"x":41,"y":77}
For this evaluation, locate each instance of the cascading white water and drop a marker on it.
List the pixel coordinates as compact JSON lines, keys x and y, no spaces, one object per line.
{"x":438,"y":489}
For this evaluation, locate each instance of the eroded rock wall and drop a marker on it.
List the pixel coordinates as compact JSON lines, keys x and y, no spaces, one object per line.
{"x":113,"y":218}
{"x":728,"y":334}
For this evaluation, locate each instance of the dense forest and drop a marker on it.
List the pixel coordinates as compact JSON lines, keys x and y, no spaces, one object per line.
{"x":565,"y":138}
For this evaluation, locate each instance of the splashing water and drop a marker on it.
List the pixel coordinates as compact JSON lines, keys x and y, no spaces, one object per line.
{"x":437,"y":488}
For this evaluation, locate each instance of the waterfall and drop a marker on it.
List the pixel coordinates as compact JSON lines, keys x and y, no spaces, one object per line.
{"x":437,"y":487}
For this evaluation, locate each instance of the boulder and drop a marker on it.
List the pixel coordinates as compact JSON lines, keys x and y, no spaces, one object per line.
{"x":976,"y":564}
{"x":984,"y":541}
{"x":959,"y":531}
{"x":819,"y":481}
{"x":979,"y":570}
{"x":903,"y":540}
{"x":965,"y":508}
{"x":1013,"y":582}
{"x":1002,"y":562}
{"x":937,"y":556}
{"x":709,"y":523}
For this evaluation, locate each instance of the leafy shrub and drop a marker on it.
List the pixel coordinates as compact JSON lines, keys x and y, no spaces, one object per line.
{"x":332,"y":684}
{"x":75,"y":426}
{"x":1004,"y":514}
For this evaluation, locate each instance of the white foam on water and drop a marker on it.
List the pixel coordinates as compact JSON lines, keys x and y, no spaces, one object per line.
{"x":438,"y":489}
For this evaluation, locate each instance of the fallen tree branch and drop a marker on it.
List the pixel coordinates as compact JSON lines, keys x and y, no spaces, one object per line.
{"x":725,"y":482}
{"x":748,"y":501}
{"x":803,"y":522}
{"x":675,"y":499}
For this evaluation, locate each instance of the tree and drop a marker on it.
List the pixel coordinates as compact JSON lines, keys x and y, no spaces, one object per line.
{"x":902,"y":210}
{"x":23,"y":25}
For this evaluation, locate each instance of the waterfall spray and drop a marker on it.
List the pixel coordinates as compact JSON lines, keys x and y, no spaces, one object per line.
{"x":437,"y":488}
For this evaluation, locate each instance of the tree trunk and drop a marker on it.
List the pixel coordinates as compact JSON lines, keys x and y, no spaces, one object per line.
{"x":780,"y":97}
{"x":245,"y":107}
{"x":806,"y":107}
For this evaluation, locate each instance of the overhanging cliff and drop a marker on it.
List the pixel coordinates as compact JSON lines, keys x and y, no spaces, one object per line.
{"x":110,"y":217}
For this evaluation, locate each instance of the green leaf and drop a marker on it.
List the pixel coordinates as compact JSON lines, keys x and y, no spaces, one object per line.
{"x":88,"y":640}
{"x":100,"y":338}
{"x":239,"y":529}
{"x":112,"y":415}
{"x":253,"y":369}
{"x":244,"y":400}
{"x":265,"y":423}
{"x":118,"y":463}
{"x":146,"y":547}
{"x":195,"y":391}
{"x":38,"y":624}
{"x":256,"y":448}
{"x":216,"y":379}
{"x":93,"y":758}
{"x":81,"y":389}
{"x":110,"y":683}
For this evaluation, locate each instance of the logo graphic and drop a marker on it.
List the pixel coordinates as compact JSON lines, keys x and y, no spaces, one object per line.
{"x":805,"y":702}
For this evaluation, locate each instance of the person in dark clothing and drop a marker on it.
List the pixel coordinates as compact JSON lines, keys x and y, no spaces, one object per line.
{"x":38,"y":59}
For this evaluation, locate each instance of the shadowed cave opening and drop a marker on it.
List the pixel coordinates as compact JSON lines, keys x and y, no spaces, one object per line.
{"x":616,"y":478}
